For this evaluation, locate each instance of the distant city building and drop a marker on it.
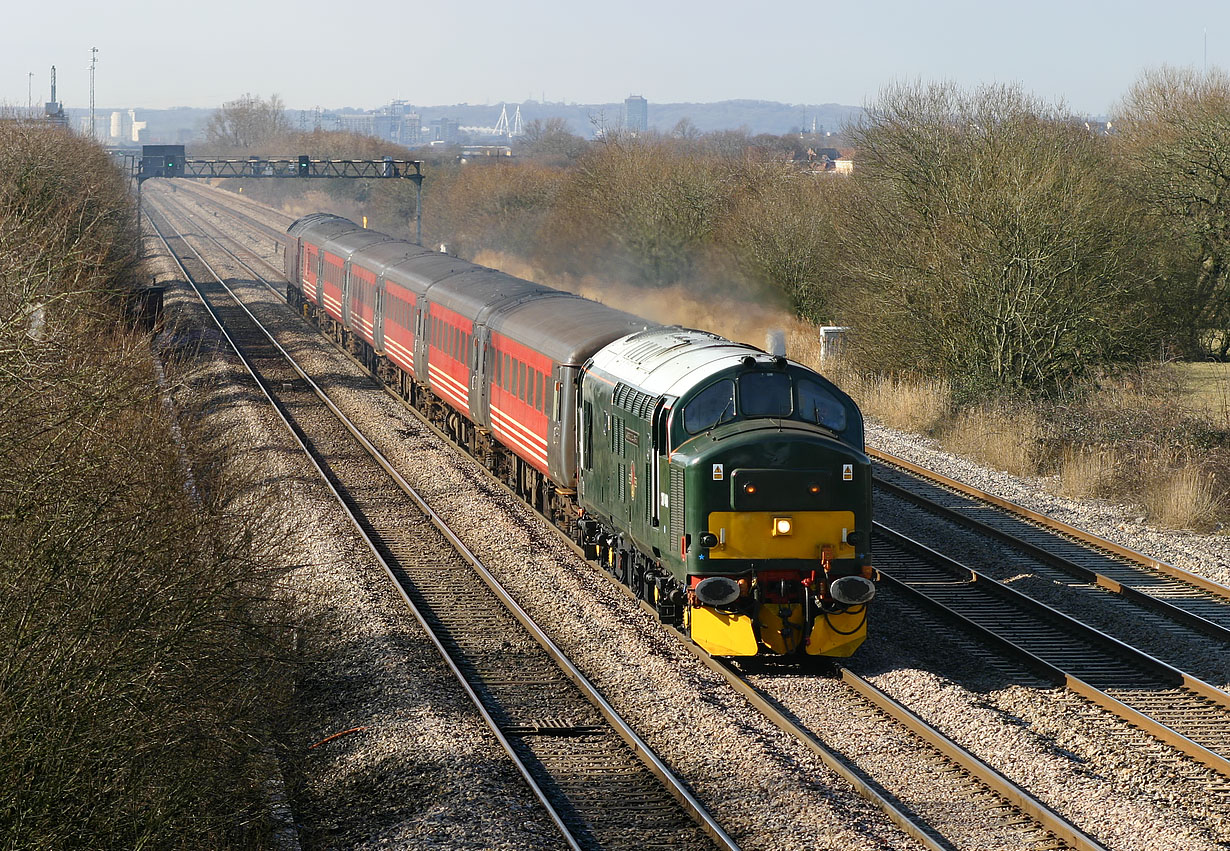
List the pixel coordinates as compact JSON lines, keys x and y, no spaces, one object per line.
{"x":124,"y":127}
{"x":636,"y":114}
{"x":445,"y":130}
{"x":401,"y":126}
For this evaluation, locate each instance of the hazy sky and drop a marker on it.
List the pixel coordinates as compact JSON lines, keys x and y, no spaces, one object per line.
{"x":364,"y":54}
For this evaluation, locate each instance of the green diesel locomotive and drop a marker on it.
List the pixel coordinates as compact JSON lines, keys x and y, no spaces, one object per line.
{"x":730,"y":489}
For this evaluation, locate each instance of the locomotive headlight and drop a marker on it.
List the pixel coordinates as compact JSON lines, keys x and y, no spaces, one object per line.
{"x":782,"y":526}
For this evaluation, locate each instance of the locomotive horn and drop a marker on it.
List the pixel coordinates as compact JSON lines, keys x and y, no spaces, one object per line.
{"x":852,"y":590}
{"x":717,"y":591}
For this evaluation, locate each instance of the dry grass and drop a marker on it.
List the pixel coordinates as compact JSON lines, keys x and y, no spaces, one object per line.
{"x":1180,"y":495}
{"x":918,"y":406}
{"x":1205,"y":388}
{"x":1086,"y":473}
{"x":1008,"y":440}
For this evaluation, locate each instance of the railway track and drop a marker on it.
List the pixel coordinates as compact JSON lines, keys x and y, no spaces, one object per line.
{"x":1004,"y":808}
{"x":601,"y":784}
{"x":1064,"y":552}
{"x":1176,"y":708}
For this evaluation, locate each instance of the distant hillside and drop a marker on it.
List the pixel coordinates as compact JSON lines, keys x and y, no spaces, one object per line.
{"x":756,"y":116}
{"x":185,"y":124}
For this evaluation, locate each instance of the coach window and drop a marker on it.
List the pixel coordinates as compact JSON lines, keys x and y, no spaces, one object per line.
{"x":542,"y":393}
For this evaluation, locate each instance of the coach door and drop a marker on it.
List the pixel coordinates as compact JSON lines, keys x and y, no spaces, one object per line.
{"x":378,"y":316}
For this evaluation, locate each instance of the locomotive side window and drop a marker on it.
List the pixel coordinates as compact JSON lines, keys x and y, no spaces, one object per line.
{"x":818,"y":405}
{"x":711,"y":406}
{"x":764,"y":394}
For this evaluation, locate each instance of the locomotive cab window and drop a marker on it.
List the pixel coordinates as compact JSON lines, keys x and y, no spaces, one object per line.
{"x":765,"y":394}
{"x":710,"y":407}
{"x":817,"y":405}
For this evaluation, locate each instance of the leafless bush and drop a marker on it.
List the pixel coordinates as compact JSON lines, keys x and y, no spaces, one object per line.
{"x":142,"y":663}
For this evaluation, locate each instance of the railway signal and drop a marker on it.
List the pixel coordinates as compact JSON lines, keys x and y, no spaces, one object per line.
{"x":169,"y":161}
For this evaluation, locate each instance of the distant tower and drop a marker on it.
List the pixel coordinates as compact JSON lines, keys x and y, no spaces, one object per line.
{"x":52,"y":111}
{"x":93,"y":64}
{"x":501,"y":126}
{"x":517,"y":128}
{"x":636,"y":114}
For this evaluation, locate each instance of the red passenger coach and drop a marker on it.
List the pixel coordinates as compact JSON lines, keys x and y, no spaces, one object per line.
{"x":307,"y":270}
{"x":522,"y":397}
{"x":450,"y":338}
{"x":332,"y":274}
{"x":361,"y":303}
{"x":399,"y":307}
{"x":491,"y":359}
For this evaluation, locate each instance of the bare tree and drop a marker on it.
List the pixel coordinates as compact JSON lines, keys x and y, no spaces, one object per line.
{"x":1172,"y":133}
{"x":987,"y":242}
{"x":551,"y":140}
{"x":782,"y":230}
{"x":641,"y":204}
{"x":248,"y":122}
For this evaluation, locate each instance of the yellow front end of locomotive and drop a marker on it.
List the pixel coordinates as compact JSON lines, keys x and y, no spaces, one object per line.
{"x":764,"y":537}
{"x":771,"y":535}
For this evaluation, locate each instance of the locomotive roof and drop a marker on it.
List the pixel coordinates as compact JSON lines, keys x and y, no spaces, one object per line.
{"x":670,"y":361}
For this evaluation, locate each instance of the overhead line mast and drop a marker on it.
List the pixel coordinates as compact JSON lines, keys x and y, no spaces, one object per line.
{"x":93,"y":64}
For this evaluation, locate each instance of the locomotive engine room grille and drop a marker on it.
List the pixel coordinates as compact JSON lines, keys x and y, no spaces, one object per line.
{"x":633,"y":401}
{"x":617,"y":437}
{"x":676,"y":508}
